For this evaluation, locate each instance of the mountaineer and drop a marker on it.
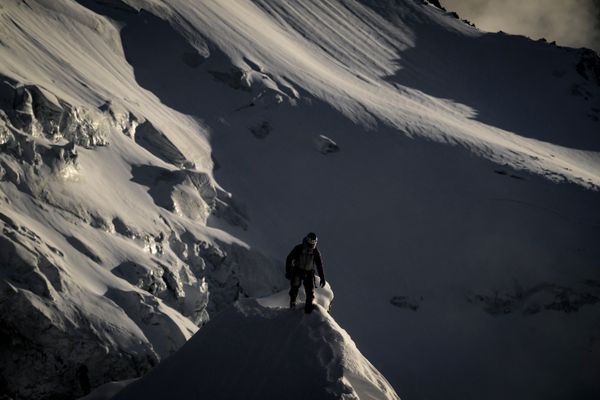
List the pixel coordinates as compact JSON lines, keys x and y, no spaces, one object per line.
{"x":300,"y":269}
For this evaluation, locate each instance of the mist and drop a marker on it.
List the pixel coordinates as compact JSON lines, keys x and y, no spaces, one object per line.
{"x":573,"y":23}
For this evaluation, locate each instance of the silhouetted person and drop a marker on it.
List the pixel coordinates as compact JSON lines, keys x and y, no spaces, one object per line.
{"x":300,"y":269}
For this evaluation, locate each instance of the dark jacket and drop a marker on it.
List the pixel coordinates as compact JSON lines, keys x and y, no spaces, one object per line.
{"x":298,"y":255}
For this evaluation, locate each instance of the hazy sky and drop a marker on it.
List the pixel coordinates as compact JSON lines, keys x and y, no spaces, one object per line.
{"x":574,"y":23}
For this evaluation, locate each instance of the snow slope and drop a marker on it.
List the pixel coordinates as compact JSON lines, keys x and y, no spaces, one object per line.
{"x":355,"y":70}
{"x":252,"y":351}
{"x":105,"y":253}
{"x":451,"y":175}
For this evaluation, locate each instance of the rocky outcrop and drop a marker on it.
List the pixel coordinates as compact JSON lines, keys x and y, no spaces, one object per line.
{"x":326,"y":145}
{"x":588,"y":66}
{"x":539,"y":298}
{"x":406,"y":302}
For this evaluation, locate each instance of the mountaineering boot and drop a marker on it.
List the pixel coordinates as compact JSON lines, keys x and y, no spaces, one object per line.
{"x":308,"y":307}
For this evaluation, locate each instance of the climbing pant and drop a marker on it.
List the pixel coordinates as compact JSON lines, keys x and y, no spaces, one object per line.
{"x":305,"y":278}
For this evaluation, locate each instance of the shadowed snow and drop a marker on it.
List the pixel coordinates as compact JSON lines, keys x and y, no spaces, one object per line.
{"x":252,"y":352}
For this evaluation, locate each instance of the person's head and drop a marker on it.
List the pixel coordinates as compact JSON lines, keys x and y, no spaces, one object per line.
{"x":311,"y":240}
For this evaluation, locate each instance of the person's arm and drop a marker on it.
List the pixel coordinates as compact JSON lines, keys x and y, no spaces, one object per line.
{"x":319,"y":264}
{"x":289,"y":262}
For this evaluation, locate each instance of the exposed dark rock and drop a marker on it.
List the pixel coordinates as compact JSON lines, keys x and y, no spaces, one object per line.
{"x":505,"y":173}
{"x":325,"y":145}
{"x":536,"y":299}
{"x":405,"y":302}
{"x":261,"y":130}
{"x":588,"y":66}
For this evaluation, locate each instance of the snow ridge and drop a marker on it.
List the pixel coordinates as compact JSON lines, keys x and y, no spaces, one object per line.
{"x":266,"y":352}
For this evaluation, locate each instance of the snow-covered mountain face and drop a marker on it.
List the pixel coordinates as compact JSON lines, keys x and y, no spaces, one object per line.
{"x":106,"y":255}
{"x":158,"y":158}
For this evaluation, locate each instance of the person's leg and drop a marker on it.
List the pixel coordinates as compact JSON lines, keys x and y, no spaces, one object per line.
{"x":309,"y":290}
{"x":294,"y":287}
